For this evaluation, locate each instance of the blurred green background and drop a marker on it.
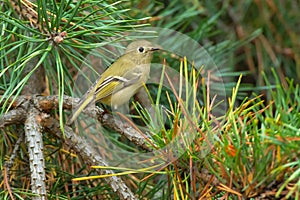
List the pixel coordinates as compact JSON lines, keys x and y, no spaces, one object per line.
{"x":251,"y":36}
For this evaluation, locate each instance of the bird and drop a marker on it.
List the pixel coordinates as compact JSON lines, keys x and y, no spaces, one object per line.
{"x":121,"y":80}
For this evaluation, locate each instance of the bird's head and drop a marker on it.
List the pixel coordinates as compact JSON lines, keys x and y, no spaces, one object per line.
{"x":141,"y":51}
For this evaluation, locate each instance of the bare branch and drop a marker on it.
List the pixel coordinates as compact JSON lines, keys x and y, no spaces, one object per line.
{"x":125,"y":129}
{"x":36,"y":157}
{"x":48,"y":103}
{"x":88,"y":154}
{"x":38,"y":118}
{"x":16,"y":116}
{"x":8,"y":164}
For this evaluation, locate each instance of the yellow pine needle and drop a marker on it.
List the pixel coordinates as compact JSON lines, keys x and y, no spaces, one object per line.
{"x":68,"y":152}
{"x":227,"y":189}
{"x":125,"y":168}
{"x":126,"y":172}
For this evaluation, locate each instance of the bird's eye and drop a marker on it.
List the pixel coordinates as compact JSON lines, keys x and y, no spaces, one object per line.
{"x":141,"y":49}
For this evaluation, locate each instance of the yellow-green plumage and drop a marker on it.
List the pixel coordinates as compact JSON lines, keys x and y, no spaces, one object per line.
{"x":121,"y":80}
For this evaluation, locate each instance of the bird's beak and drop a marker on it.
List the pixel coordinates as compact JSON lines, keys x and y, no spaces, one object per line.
{"x":154,"y":48}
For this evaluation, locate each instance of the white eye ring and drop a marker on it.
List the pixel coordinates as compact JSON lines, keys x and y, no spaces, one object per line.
{"x":141,"y":49}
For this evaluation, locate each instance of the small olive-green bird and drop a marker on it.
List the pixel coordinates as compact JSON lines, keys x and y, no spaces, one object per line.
{"x":121,"y":80}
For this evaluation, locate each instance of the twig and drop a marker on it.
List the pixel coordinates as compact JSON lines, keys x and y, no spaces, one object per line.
{"x":6,"y":181}
{"x":8,"y":164}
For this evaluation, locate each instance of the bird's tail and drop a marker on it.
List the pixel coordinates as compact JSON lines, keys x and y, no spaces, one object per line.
{"x":84,"y":102}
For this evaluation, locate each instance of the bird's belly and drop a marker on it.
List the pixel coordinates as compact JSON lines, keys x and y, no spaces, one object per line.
{"x":121,"y":97}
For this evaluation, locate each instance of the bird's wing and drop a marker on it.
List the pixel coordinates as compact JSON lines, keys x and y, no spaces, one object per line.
{"x":113,"y":84}
{"x":110,"y":85}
